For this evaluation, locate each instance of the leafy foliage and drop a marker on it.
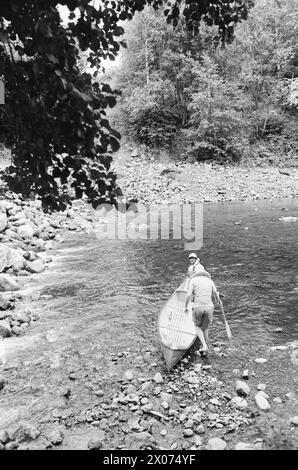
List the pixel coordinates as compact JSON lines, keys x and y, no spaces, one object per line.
{"x":229,"y":102}
{"x":55,"y":115}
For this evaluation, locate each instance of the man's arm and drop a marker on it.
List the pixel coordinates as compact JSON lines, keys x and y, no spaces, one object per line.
{"x":216,"y":295}
{"x":188,"y":296}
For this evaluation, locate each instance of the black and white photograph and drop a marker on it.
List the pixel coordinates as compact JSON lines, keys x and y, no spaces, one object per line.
{"x":148,"y":230}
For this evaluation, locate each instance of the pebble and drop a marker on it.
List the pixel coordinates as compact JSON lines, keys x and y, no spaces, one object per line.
{"x":128,"y":375}
{"x":216,"y":444}
{"x":262,"y":402}
{"x":163,"y":432}
{"x":261,"y":360}
{"x":277,"y":400}
{"x":4,"y":437}
{"x":94,"y":444}
{"x":158,"y":378}
{"x":242,"y":388}
{"x":56,"y":437}
{"x":239,"y":403}
{"x":198,"y":441}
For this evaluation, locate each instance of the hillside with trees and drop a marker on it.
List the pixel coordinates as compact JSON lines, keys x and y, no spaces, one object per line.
{"x":204,"y":100}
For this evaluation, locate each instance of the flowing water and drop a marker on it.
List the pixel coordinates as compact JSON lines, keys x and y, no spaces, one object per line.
{"x":104,"y":298}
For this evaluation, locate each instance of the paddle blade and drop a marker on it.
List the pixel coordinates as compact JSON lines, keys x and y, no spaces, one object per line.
{"x":228,"y":330}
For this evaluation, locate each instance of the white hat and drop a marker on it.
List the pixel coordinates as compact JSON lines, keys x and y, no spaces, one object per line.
{"x":192,"y":255}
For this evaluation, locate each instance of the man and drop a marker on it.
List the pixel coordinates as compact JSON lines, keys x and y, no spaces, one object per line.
{"x":204,"y":291}
{"x":195,"y":266}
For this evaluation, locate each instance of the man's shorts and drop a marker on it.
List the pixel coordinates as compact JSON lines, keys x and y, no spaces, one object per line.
{"x":202,"y":316}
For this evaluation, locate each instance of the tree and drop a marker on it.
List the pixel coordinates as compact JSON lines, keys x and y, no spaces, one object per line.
{"x":55,"y":116}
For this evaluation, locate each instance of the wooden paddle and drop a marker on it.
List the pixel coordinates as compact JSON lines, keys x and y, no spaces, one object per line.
{"x":226,"y":323}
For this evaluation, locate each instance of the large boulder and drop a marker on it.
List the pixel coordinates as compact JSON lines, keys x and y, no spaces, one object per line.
{"x":3,"y":221}
{"x":17,"y":261}
{"x":7,"y":283}
{"x":36,"y":266}
{"x":4,"y":302}
{"x":25,"y":231}
{"x":5,"y":330}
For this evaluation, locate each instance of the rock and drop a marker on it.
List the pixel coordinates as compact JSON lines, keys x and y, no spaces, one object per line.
{"x":242,"y":388}
{"x":163,"y":432}
{"x":263,"y":394}
{"x":4,"y":437}
{"x":165,"y":405}
{"x":243,"y":446}
{"x":24,"y":432}
{"x":293,"y":420}
{"x":4,"y":303}
{"x":261,"y":360}
{"x":290,"y":396}
{"x":128,"y":375}
{"x":3,"y":221}
{"x":36,"y":266}
{"x":245,"y":374}
{"x":262,"y":402}
{"x":17,"y":261}
{"x":4,"y":257}
{"x":12,"y":445}
{"x":2,"y":382}
{"x":22,"y":317}
{"x":216,"y":444}
{"x":215,"y":401}
{"x":187,"y":432}
{"x":200,"y":429}
{"x":277,"y":400}
{"x":17,"y":330}
{"x":56,"y":437}
{"x":262,"y":387}
{"x":95,"y":444}
{"x":197,"y":441}
{"x":5,"y":330}
{"x":25,"y":231}
{"x":239,"y":403}
{"x":7,"y":283}
{"x":158,"y":378}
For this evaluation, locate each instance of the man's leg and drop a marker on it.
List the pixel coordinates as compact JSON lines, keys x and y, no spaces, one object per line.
{"x":206,"y":322}
{"x":198,"y":319}
{"x":201,"y":337}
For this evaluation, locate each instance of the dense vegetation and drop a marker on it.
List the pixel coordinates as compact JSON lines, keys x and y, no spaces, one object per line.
{"x":54,"y":118}
{"x":186,"y":93}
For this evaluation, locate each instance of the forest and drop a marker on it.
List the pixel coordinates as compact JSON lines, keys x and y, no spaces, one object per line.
{"x":203,"y":100}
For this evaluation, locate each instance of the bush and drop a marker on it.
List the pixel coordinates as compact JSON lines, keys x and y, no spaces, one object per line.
{"x":154,"y":127}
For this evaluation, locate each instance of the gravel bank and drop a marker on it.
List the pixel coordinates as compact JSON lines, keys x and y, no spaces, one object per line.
{"x":152,"y":182}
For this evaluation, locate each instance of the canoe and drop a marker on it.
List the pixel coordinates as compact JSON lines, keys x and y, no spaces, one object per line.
{"x":176,"y":330}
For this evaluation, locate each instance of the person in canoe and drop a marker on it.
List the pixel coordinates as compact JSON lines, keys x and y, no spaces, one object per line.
{"x":196,"y":267}
{"x":204,"y":291}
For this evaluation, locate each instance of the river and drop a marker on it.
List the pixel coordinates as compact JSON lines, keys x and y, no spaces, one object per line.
{"x":100,"y":301}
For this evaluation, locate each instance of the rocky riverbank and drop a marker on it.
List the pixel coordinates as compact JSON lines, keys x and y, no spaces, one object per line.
{"x":27,"y":237}
{"x":155,"y":182}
